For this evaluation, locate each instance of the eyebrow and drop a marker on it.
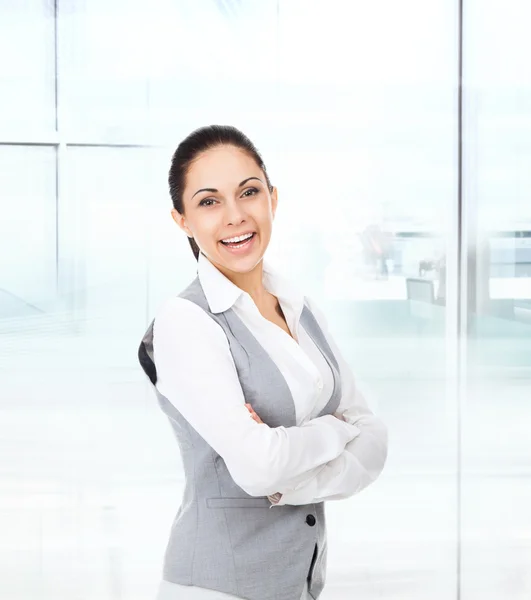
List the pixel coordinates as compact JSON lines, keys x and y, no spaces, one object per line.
{"x":215,"y":190}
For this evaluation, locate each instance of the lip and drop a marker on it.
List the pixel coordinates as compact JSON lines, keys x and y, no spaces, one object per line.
{"x":249,"y":245}
{"x":237,"y":235}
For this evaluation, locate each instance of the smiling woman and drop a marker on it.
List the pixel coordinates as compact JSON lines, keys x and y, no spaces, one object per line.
{"x":220,"y":153}
{"x":226,"y":218}
{"x":260,"y":399}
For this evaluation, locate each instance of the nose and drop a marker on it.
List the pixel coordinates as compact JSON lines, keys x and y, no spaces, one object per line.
{"x":234,"y":214}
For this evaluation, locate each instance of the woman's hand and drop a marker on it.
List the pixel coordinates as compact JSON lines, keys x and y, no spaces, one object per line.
{"x":254,"y":415}
{"x":339,"y":416}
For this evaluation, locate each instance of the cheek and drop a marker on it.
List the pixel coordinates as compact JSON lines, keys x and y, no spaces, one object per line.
{"x":205,"y":228}
{"x":266,"y":221}
{"x":264,"y":214}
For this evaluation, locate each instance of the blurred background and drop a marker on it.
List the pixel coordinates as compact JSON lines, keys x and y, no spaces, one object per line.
{"x":399,"y":137}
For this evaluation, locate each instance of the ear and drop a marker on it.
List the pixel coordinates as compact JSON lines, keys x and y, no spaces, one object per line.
{"x":179,"y":219}
{"x":274,"y":200}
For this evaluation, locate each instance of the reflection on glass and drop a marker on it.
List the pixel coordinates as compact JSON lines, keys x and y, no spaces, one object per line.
{"x":496,"y":445}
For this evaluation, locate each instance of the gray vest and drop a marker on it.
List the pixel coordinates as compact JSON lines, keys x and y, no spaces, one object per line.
{"x":222,"y":538}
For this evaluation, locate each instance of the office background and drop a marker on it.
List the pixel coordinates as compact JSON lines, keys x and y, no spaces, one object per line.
{"x":399,"y":137}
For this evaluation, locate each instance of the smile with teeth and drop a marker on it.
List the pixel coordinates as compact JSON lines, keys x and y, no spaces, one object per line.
{"x":239,"y":241}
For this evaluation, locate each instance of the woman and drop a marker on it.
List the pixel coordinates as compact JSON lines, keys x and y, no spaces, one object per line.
{"x":263,"y":405}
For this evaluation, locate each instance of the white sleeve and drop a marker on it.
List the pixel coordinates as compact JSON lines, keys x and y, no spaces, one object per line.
{"x":364,"y":457}
{"x":197,"y":374}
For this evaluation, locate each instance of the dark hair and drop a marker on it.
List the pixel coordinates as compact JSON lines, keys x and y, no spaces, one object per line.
{"x":199,"y":141}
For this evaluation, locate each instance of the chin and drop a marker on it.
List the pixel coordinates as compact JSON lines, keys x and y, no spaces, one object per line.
{"x":239,"y":264}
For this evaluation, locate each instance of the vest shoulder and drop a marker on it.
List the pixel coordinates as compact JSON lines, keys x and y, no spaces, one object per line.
{"x":316,"y":312}
{"x":193,"y":291}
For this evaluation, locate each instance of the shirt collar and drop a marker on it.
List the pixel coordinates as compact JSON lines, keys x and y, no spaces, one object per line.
{"x":222,"y":294}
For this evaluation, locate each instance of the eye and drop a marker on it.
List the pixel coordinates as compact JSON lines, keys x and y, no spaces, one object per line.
{"x":254,"y":190}
{"x":202,"y":203}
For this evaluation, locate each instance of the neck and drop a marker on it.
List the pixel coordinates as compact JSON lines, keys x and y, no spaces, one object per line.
{"x":250,"y":282}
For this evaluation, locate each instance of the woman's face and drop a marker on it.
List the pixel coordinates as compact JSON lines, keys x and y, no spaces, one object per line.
{"x":226,"y":196}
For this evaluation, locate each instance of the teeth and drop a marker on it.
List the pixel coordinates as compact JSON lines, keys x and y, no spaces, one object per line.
{"x":238,"y":239}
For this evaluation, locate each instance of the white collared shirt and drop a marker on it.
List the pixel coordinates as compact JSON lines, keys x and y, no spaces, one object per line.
{"x":321,"y":458}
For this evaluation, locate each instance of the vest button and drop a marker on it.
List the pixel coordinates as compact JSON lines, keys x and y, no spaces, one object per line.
{"x":310,"y":519}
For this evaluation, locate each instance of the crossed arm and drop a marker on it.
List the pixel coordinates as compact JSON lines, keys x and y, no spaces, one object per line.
{"x":325,"y":458}
{"x":363,"y":457}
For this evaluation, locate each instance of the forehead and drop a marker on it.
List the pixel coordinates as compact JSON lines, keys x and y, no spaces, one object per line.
{"x":221,"y":166}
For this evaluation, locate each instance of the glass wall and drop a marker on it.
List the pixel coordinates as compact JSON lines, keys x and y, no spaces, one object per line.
{"x":374,"y":121}
{"x":496,"y":448}
{"x":402,"y":212}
